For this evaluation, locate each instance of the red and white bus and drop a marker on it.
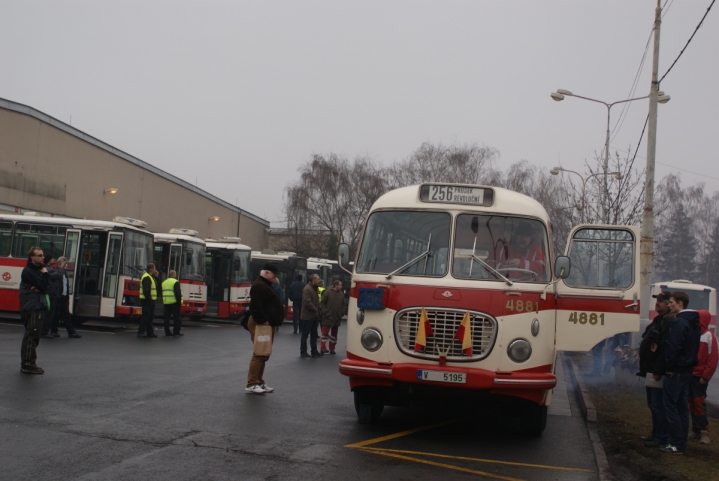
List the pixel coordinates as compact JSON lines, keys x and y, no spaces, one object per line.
{"x":104,"y":261}
{"x":229,"y":270}
{"x":700,"y":297}
{"x":457,"y":289}
{"x":183,"y":251}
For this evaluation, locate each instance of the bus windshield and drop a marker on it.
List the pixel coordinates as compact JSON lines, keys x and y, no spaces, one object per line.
{"x":193,"y":256}
{"x":493,"y":247}
{"x":138,"y":253}
{"x":415,"y":242}
{"x":241,"y":266}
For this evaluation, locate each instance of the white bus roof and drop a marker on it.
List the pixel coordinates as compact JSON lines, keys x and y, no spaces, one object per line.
{"x":505,"y":202}
{"x":178,"y":237}
{"x":74,"y":223}
{"x":276,"y":257}
{"x":680,"y":284}
{"x":224,"y":245}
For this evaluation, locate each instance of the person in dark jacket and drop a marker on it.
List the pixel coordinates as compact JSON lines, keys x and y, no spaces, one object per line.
{"x":680,"y":358}
{"x":54,"y":293}
{"x":310,"y":318}
{"x":148,"y":295}
{"x":295,"y":295}
{"x":651,"y":366}
{"x":62,"y":313}
{"x":34,"y":290}
{"x":265,"y":309}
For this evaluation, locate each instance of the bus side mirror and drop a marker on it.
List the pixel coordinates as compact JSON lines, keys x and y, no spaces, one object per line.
{"x":562,"y":267}
{"x":343,"y":255}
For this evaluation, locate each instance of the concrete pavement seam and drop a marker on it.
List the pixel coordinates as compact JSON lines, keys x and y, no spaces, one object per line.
{"x":590,"y":415}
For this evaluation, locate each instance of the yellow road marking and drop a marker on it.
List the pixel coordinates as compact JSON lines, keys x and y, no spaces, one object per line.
{"x":362,"y":444}
{"x":439,"y":465}
{"x":480,"y":460}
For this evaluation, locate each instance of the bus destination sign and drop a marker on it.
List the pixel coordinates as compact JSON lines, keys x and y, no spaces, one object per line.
{"x":456,"y":194}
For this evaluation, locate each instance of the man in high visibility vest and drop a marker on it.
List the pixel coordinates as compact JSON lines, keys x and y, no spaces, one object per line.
{"x":148,"y":296}
{"x":172,"y":299}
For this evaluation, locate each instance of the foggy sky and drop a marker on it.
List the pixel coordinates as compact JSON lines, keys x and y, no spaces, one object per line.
{"x":239,"y":94}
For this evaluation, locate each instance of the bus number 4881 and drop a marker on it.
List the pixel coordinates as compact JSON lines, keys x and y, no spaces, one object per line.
{"x":583,"y":318}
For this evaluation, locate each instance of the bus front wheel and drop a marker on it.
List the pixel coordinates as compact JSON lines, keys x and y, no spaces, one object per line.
{"x":533,"y":419}
{"x":368,"y":409}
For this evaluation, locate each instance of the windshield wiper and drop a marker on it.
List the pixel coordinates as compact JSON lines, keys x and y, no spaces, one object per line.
{"x":424,"y":255}
{"x":490,"y":269}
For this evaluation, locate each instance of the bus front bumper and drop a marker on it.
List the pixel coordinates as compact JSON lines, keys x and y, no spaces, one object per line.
{"x":369,"y":373}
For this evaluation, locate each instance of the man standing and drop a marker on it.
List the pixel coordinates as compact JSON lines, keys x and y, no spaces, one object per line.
{"x":680,"y":358}
{"x":332,"y":306}
{"x":651,"y":365}
{"x":310,"y":317}
{"x":34,"y":288}
{"x":63,"y":303}
{"x":265,"y":309}
{"x":295,"y":295}
{"x":702,"y":374}
{"x":55,"y":285}
{"x":172,"y":299}
{"x":148,"y":296}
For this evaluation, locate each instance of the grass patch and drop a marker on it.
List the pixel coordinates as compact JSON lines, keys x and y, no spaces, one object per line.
{"x":623,"y":415}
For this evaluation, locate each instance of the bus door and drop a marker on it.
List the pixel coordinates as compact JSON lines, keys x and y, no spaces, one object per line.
{"x":72,"y":244}
{"x":174,"y":263}
{"x":90,"y":265}
{"x":600,"y":297}
{"x":111,"y":277}
{"x":218,"y":284}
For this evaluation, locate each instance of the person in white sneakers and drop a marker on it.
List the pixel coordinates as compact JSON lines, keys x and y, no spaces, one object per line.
{"x":708,"y":356}
{"x":265,"y":309}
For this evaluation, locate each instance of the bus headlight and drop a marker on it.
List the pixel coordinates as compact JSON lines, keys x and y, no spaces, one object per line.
{"x":519,"y":350}
{"x":360,"y":316}
{"x":371,"y":339}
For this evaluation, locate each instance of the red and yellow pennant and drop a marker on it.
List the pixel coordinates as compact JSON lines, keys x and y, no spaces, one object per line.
{"x":464,"y":334}
{"x":424,"y":330}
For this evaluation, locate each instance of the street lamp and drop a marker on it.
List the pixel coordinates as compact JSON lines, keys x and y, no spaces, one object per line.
{"x":557,"y":170}
{"x":559,"y":95}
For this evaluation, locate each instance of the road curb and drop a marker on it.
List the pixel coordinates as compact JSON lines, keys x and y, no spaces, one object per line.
{"x":589,"y":412}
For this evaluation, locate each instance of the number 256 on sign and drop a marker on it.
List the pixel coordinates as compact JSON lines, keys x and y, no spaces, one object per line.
{"x":587,"y":318}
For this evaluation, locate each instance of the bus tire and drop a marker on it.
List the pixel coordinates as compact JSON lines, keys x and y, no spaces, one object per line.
{"x":533,"y":419}
{"x":367,"y":413}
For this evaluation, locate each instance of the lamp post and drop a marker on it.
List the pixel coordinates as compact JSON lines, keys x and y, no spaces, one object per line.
{"x":557,"y":170}
{"x":559,"y":95}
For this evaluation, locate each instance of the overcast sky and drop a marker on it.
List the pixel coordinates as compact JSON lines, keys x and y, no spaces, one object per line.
{"x":239,"y":94}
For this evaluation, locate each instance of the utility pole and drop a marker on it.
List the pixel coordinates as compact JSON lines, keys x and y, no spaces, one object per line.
{"x":646,"y":244}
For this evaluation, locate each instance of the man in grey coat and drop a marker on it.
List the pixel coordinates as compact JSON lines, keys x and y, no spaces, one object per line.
{"x":310,"y":317}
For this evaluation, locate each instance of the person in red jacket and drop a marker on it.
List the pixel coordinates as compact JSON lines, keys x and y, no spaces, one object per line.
{"x":701,"y":375}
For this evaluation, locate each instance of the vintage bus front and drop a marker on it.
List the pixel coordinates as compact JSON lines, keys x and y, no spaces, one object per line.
{"x":453,"y":291}
{"x":700,"y":297}
{"x":228,"y":269}
{"x":183,"y":251}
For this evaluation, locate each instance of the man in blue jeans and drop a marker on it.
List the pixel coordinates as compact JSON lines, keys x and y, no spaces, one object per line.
{"x":680,"y":357}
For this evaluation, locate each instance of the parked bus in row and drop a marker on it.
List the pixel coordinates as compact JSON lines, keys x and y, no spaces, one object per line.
{"x":228,"y":268}
{"x":182,"y":251}
{"x":289,"y":266}
{"x":457,"y":290}
{"x":104,"y":261}
{"x":700,"y":297}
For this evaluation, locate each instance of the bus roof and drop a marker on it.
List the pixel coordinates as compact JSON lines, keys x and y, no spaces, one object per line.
{"x":682,"y":284}
{"x":75,"y":223}
{"x":178,"y":237}
{"x":224,"y":245}
{"x":505,"y":202}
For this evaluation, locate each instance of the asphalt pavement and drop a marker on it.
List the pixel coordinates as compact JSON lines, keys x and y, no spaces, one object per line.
{"x":113,"y":407}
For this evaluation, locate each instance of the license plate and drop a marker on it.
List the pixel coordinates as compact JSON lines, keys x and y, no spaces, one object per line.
{"x":440,"y":376}
{"x":199,"y":309}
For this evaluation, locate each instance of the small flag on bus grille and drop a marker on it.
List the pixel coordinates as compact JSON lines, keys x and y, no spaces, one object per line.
{"x":464,"y":334}
{"x":424,"y":330}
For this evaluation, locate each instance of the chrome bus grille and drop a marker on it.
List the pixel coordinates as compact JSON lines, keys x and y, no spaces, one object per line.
{"x":444,"y":326}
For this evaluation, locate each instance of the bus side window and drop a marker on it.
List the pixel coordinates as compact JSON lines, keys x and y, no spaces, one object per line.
{"x":602,"y":259}
{"x":5,"y":238}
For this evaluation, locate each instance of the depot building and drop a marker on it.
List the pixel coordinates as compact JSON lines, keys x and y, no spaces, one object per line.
{"x":52,"y":168}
